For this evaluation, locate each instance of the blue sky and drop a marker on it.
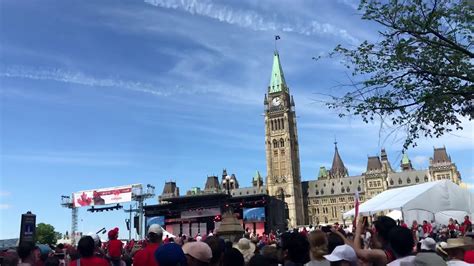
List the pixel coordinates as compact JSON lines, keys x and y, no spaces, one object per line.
{"x":105,"y":93}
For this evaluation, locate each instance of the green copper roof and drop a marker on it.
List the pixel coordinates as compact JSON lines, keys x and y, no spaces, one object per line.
{"x":322,"y":172}
{"x":257,"y":176}
{"x":277,"y":81}
{"x":405,"y":159}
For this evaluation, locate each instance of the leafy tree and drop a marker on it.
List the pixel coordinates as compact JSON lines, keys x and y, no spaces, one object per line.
{"x":45,"y":234}
{"x":419,"y":75}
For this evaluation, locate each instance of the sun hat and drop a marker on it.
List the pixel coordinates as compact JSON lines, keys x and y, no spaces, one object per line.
{"x":342,"y":252}
{"x":198,"y":250}
{"x":155,"y":228}
{"x":170,"y":255}
{"x":463,"y":243}
{"x":428,"y":244}
{"x":246,"y":247}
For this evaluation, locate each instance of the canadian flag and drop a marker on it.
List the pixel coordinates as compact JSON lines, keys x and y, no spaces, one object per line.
{"x":356,"y":207}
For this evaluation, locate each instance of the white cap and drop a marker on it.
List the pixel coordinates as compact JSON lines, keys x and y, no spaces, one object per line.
{"x":343,"y":252}
{"x":95,"y":237}
{"x":428,"y":244}
{"x":156,"y":229}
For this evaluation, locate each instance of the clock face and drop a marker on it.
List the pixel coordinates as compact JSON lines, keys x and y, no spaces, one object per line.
{"x":276,"y":101}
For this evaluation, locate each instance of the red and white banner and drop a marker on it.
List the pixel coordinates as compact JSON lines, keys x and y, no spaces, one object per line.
{"x":103,"y":196}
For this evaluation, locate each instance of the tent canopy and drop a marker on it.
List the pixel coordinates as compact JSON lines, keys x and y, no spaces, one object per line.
{"x":432,"y":197}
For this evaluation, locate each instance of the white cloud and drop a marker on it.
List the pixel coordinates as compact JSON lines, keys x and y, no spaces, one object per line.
{"x":420,"y":160}
{"x":251,"y":19}
{"x":74,"y":158}
{"x":4,"y":193}
{"x":4,"y":206}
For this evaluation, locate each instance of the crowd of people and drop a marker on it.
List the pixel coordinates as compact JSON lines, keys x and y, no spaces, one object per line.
{"x":381,"y":242}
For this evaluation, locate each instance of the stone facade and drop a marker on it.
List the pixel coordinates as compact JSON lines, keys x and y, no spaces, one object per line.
{"x":328,"y":197}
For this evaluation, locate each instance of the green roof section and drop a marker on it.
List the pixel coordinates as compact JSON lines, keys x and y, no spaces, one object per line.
{"x":277,"y":81}
{"x":322,"y":172}
{"x":405,"y":159}
{"x":257,"y":176}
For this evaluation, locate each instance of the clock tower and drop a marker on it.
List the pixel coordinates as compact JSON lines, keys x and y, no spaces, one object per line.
{"x":281,"y":145}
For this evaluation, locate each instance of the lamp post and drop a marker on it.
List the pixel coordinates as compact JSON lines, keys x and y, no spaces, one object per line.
{"x":230,"y":227}
{"x":228,"y":182}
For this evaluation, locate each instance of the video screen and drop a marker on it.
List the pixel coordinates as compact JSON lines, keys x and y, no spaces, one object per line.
{"x":254,"y":214}
{"x":160,"y":220}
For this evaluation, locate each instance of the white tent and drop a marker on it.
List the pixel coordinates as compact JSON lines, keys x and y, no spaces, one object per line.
{"x":438,"y":200}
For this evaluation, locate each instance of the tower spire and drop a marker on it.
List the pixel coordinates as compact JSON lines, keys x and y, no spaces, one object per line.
{"x":277,"y":80}
{"x":337,"y":169}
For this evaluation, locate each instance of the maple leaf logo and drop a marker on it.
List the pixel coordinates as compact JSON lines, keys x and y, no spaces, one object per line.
{"x":84,"y":200}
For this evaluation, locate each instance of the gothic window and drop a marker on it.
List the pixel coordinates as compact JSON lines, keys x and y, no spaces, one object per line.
{"x":332,"y":183}
{"x":358,"y":188}
{"x":272,"y":122}
{"x":275,"y":143}
{"x":399,"y":181}
{"x":317,"y":192}
{"x":332,"y":190}
{"x":282,"y":143}
{"x":316,"y":185}
{"x":282,"y":152}
{"x":282,"y":124}
{"x":417,"y":179}
{"x":324,"y":184}
{"x":408,"y":180}
{"x":279,"y":124}
{"x":326,"y":220}
{"x":348,"y":190}
{"x":391,"y":182}
{"x":350,"y":182}
{"x":275,"y":153}
{"x":322,"y":192}
{"x":343,"y":190}
{"x":317,"y":210}
{"x":426,"y":179}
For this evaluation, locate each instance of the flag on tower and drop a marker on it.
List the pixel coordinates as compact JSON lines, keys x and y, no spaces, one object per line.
{"x":277,"y":37}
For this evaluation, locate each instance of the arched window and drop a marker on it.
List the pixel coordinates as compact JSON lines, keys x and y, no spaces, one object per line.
{"x":279,"y":124}
{"x":275,"y":143}
{"x":399,"y":181}
{"x":426,"y":179}
{"x":272,"y":123}
{"x":282,"y":143}
{"x":332,"y":190}
{"x":408,"y":180}
{"x":322,"y":192}
{"x":358,"y":188}
{"x":343,"y":190}
{"x":417,"y":179}
{"x":282,"y":124}
{"x":391,"y":182}
{"x":348,"y":190}
{"x":317,"y":192}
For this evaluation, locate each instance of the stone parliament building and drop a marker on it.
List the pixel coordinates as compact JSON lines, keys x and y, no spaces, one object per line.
{"x":323,"y":200}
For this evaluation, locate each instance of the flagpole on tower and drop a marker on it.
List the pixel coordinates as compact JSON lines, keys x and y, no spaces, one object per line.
{"x":277,"y":37}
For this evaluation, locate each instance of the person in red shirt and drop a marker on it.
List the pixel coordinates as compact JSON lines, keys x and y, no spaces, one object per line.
{"x":426,"y":229}
{"x":466,"y":225}
{"x":86,"y":248}
{"x":403,"y":224}
{"x":451,"y":228}
{"x":114,"y":247}
{"x":146,"y":255}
